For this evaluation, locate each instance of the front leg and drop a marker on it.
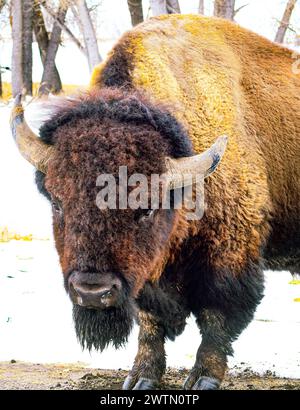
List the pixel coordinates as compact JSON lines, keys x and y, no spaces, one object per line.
{"x":150,"y":362}
{"x":230,"y":307}
{"x":211,"y":359}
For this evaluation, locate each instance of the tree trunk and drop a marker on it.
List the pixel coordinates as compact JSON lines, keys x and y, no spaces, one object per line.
{"x":2,"y":4}
{"x":47,"y":78}
{"x":224,"y":8}
{"x":159,"y":7}
{"x":173,"y":7}
{"x":64,"y":27}
{"x":1,"y":92}
{"x":201,"y":7}
{"x":27,"y":45}
{"x":136,"y":11}
{"x":42,"y":39}
{"x":17,"y":50}
{"x":279,"y":38}
{"x":89,"y":34}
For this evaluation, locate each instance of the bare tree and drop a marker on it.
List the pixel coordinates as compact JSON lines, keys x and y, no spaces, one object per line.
{"x":224,"y":8}
{"x":173,"y":7}
{"x":47,"y":79}
{"x":42,"y":38}
{"x":64,"y":27}
{"x":201,"y":7}
{"x":284,"y":24}
{"x":89,"y":34}
{"x":158,"y":7}
{"x":27,"y":45}
{"x":136,"y":11}
{"x":2,"y":4}
{"x":164,"y":7}
{"x":17,"y":50}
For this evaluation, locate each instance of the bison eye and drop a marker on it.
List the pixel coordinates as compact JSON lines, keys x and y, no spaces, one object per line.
{"x":57,"y":208}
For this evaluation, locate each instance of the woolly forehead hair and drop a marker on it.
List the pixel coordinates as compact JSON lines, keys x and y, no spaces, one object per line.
{"x":116,"y":105}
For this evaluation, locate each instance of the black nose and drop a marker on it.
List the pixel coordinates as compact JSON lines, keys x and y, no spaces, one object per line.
{"x":95,"y":296}
{"x":94,"y":290}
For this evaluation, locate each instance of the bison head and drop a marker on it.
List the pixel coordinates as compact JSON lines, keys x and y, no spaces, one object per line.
{"x":107,"y":255}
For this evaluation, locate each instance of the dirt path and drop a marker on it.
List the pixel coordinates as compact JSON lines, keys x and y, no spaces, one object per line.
{"x":20,"y":375}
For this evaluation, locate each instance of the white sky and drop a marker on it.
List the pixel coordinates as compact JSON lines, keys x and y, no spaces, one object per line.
{"x":259,"y":15}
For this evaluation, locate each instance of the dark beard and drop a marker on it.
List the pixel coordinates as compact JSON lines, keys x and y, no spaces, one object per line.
{"x":98,"y":328}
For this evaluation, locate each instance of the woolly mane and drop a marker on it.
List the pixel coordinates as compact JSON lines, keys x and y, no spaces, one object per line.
{"x":119,"y":106}
{"x":183,"y":81}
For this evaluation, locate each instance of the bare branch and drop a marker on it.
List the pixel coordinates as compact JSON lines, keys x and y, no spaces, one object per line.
{"x":279,"y":38}
{"x":173,"y":7}
{"x":27,"y":44}
{"x":240,"y":8}
{"x":224,"y":8}
{"x":159,"y":7}
{"x":201,"y":7}
{"x":75,"y":14}
{"x":64,"y":27}
{"x":17,"y":51}
{"x":53,"y":45}
{"x":42,"y":38}
{"x":2,"y":4}
{"x":89,"y":34}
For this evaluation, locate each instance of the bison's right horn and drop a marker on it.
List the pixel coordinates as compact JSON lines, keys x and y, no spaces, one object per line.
{"x":31,"y":147}
{"x":203,"y":164}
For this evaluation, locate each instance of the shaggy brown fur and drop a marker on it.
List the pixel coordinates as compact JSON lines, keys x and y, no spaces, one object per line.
{"x":215,"y":78}
{"x":96,"y":135}
{"x":222,"y":79}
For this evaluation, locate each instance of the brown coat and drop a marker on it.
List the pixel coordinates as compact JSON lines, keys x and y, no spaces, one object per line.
{"x":214,"y":78}
{"x":218,"y":78}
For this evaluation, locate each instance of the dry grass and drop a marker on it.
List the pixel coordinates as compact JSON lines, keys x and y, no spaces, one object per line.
{"x":7,"y":236}
{"x":7,"y":92}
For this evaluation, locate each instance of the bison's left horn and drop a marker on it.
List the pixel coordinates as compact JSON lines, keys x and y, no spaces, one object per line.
{"x":29,"y":144}
{"x":183,"y":171}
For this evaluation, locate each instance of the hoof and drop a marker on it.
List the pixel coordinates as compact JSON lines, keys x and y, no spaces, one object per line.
{"x":131,"y":383}
{"x":204,"y":383}
{"x":128,"y":383}
{"x":146,"y":384}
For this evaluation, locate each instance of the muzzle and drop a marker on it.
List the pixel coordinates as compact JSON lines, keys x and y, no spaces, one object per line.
{"x":95,"y":290}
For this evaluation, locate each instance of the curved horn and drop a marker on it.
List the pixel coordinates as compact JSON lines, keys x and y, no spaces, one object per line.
{"x":29,"y":144}
{"x":201,"y":164}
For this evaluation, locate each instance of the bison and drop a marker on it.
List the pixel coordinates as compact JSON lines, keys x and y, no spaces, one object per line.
{"x":168,"y":88}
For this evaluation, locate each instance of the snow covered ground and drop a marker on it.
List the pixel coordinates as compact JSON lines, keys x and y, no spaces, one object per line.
{"x":36,"y":320}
